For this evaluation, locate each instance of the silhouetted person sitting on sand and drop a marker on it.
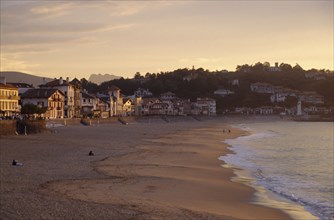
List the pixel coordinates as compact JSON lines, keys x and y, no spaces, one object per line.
{"x":91,"y":153}
{"x":229,"y":131}
{"x":15,"y":163}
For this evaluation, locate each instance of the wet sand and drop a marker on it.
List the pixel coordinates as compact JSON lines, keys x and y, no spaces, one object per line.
{"x":139,"y":171}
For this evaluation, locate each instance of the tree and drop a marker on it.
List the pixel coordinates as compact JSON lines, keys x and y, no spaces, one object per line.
{"x":297,"y":68}
{"x":285,"y":67}
{"x":243,"y":68}
{"x":258,"y":67}
{"x":31,"y":109}
{"x":266,"y":64}
{"x":138,"y":75}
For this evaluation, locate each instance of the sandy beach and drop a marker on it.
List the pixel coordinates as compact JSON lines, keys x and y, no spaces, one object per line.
{"x":143,"y":170}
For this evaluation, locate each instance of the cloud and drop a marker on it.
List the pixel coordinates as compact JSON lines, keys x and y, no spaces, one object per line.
{"x":11,"y":62}
{"x":52,"y":9}
{"x":61,"y":28}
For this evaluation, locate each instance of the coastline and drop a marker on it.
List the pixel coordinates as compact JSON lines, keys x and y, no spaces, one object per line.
{"x":264,"y":195}
{"x":139,"y":171}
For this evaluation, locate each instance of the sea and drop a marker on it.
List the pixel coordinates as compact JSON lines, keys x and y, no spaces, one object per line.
{"x":290,"y":163}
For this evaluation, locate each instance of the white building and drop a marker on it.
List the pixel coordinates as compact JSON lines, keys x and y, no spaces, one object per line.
{"x":167,"y":96}
{"x":262,"y":88}
{"x":223,"y":92}
{"x":205,"y":106}
{"x":142,"y":93}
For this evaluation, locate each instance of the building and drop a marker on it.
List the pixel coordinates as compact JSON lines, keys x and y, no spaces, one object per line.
{"x":204,"y":106}
{"x":223,"y":92}
{"x":128,"y":107}
{"x":275,"y":68}
{"x":167,"y":96}
{"x":153,"y":106}
{"x":311,"y":97}
{"x":116,"y":101}
{"x":22,"y":87}
{"x":69,"y":91}
{"x":51,"y":99}
{"x":315,"y":75}
{"x":262,"y":88}
{"x":234,"y":82}
{"x":88,"y":104}
{"x":77,"y":96}
{"x":9,"y":99}
{"x":142,"y":93}
{"x":264,"y":110}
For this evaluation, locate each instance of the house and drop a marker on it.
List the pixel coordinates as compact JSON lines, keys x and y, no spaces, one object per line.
{"x":88,"y":104}
{"x":137,"y":102}
{"x":128,"y":107}
{"x":77,"y":96}
{"x":116,"y":100}
{"x":142,"y":93}
{"x":262,"y":88}
{"x":275,"y":68}
{"x":103,"y":107}
{"x":167,"y":96}
{"x":243,"y":110}
{"x":204,"y":106}
{"x":311,"y":97}
{"x":69,"y":91}
{"x":51,"y":99}
{"x":153,"y":106}
{"x":278,"y":97}
{"x":264,"y":110}
{"x":22,"y":87}
{"x":315,"y":75}
{"x":9,"y":99}
{"x":168,"y":107}
{"x":223,"y":92}
{"x":234,"y":82}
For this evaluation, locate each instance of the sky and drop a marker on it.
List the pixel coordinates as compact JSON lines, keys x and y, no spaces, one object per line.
{"x":77,"y":38}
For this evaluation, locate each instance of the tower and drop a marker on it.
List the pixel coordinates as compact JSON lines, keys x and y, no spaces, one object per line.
{"x":299,"y":107}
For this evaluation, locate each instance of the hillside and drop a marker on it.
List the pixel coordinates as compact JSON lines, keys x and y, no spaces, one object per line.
{"x":19,"y":77}
{"x":99,"y":78}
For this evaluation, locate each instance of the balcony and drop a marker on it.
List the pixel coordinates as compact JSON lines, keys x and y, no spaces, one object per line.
{"x":11,"y":97}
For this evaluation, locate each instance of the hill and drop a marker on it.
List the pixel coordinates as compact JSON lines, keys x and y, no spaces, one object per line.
{"x":99,"y":78}
{"x":19,"y":77}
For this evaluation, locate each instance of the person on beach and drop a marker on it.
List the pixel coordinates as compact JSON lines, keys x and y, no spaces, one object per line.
{"x":15,"y":163}
{"x":90,"y":153}
{"x":229,"y":131}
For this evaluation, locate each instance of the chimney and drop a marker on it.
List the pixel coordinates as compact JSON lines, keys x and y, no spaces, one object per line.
{"x":3,"y":80}
{"x":61,"y":81}
{"x":67,"y":79}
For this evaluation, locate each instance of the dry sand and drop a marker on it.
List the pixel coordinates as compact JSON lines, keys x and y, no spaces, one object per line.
{"x":139,"y":171}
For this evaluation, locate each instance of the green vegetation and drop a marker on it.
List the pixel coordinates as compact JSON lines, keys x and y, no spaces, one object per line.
{"x":193,"y":83}
{"x":31,"y":109}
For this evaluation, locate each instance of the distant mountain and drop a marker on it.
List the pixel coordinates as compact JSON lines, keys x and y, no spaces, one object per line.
{"x":18,"y":77}
{"x":99,"y":78}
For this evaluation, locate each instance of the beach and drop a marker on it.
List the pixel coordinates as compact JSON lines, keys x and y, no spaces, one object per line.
{"x":142,"y":170}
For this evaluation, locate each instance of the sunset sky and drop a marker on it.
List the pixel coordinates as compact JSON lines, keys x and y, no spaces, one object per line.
{"x":78,"y":38}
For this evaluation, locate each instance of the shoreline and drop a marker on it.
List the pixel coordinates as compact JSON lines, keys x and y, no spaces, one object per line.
{"x":263,"y":195}
{"x":167,"y":173}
